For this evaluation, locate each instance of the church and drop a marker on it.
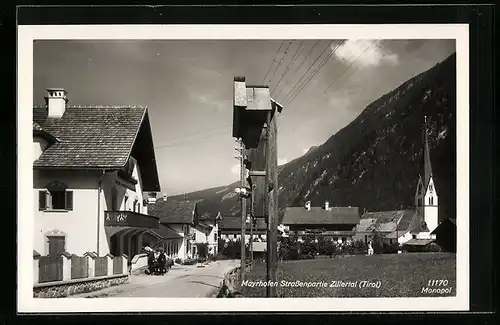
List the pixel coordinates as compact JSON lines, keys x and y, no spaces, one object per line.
{"x":426,"y":204}
{"x":414,"y":229}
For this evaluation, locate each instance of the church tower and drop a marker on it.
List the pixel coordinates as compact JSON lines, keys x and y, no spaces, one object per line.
{"x":426,"y":198}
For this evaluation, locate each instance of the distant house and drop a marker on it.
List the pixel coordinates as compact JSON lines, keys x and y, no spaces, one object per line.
{"x":393,"y":226}
{"x":336,"y":223}
{"x":179,"y":217}
{"x":230,"y":229}
{"x":205,"y":231}
{"x":91,"y":168}
{"x":446,"y":235}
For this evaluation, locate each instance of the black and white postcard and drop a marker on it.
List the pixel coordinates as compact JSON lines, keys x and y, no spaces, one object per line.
{"x":324,"y":167}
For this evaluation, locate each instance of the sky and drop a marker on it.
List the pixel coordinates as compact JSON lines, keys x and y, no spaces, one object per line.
{"x":188,"y":87}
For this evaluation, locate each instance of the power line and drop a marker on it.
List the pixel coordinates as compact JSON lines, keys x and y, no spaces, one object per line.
{"x":292,"y":61}
{"x":350,"y":65}
{"x":307,"y":71}
{"x":274,"y":60}
{"x":281,"y":60}
{"x":201,"y":132}
{"x":304,"y":85}
{"x":194,"y":141}
{"x":299,"y":66}
{"x":316,"y":71}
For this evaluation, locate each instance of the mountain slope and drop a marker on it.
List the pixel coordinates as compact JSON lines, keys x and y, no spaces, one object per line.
{"x":375,"y":160}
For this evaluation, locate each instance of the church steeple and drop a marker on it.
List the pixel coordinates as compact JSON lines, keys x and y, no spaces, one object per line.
{"x":427,"y":157}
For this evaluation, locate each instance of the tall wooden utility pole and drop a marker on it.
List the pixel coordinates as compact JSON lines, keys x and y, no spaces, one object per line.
{"x":254,"y":121}
{"x":243,"y":207}
{"x":251,"y":239}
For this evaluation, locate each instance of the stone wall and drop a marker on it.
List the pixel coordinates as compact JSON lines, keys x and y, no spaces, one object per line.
{"x":231,"y":284}
{"x":67,"y":288}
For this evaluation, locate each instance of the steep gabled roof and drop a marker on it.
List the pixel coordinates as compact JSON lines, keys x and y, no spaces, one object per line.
{"x":395,"y":223}
{"x":317,"y":215}
{"x":98,"y":137}
{"x":164,"y":232}
{"x":39,"y":131}
{"x":174,"y":212}
{"x":445,"y":223}
{"x":427,"y":168}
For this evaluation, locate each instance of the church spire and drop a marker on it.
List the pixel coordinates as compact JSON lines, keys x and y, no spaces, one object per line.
{"x":427,"y":156}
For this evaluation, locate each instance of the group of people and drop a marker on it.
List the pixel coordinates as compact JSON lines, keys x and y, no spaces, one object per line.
{"x":157,"y":261}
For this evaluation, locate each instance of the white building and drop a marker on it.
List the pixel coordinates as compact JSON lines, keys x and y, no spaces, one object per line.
{"x":181,"y":228}
{"x":205,"y":231}
{"x":91,"y":166}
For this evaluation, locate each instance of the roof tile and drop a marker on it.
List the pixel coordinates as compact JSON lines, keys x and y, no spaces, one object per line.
{"x":173,"y":212}
{"x":92,"y":137}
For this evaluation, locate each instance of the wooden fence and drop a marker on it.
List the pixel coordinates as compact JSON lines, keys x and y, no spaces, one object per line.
{"x":79,"y":267}
{"x":72,"y":267}
{"x":101,"y":266}
{"x":50,"y":269}
{"x":117,"y":265}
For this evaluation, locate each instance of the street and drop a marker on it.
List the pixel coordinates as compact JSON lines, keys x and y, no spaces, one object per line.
{"x":180,"y":281}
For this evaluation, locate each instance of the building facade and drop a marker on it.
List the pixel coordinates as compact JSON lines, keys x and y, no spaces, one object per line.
{"x":334,"y":223}
{"x":91,"y":168}
{"x":230,"y":230}
{"x":181,"y":225}
{"x":392,"y":226}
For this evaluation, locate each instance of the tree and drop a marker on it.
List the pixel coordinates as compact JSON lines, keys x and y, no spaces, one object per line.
{"x":202,"y":249}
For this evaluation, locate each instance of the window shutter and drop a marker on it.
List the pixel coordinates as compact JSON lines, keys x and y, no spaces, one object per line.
{"x":69,"y":200}
{"x":42,"y":200}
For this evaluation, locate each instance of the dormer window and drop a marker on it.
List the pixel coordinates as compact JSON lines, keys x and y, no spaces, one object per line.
{"x":55,"y":197}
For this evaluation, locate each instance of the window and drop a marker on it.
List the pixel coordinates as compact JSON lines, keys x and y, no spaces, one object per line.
{"x":414,"y":236}
{"x":125,"y":205}
{"x":215,"y":237}
{"x":194,"y":236}
{"x":235,"y":236}
{"x":136,"y":205}
{"x":55,"y":197}
{"x":431,"y":200}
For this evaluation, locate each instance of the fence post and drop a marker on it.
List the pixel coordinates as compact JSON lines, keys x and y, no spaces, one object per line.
{"x":124,"y":264}
{"x":36,"y":267}
{"x":90,"y":263}
{"x":109,"y":257}
{"x":66,"y":266}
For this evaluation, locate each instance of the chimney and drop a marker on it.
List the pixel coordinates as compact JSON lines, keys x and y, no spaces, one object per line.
{"x":308,"y":206}
{"x":56,"y":101}
{"x":327,"y":205}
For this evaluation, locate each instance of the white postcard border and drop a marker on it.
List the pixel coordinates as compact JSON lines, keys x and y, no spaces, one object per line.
{"x":28,"y":33}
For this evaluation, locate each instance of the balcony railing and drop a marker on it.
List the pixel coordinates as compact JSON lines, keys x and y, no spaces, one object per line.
{"x":130,"y":219}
